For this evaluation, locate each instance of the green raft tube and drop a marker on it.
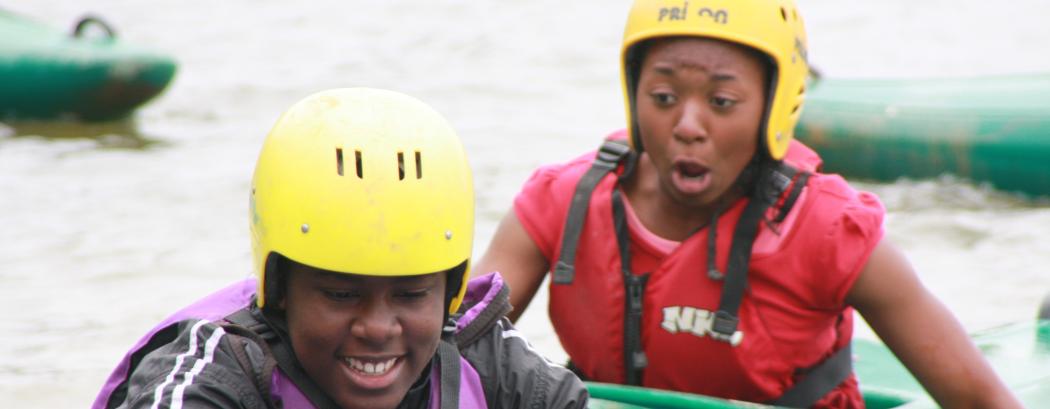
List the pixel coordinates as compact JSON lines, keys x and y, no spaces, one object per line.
{"x":993,"y":130}
{"x":1020,"y":354}
{"x":46,"y":73}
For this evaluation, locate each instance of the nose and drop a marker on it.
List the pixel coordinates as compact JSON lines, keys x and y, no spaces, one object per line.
{"x":689,"y":126}
{"x":376,"y":323}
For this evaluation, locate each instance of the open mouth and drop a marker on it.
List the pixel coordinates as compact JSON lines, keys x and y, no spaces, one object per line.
{"x":690,"y":177}
{"x":371,"y":373}
{"x":371,"y":367}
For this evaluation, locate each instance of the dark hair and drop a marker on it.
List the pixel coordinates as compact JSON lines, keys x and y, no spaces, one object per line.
{"x":276,"y":281}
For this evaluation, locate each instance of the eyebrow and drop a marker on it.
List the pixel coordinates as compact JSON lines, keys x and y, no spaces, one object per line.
{"x":361,"y":277}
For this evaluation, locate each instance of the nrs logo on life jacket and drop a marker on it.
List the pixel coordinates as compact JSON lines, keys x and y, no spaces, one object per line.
{"x":694,"y":321}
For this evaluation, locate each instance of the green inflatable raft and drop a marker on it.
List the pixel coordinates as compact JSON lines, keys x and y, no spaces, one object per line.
{"x":993,"y":130}
{"x":85,"y":73}
{"x":1020,"y":354}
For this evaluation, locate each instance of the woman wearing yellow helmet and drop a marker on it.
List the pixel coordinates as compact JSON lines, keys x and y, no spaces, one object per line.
{"x":707,"y":253}
{"x":361,"y":214}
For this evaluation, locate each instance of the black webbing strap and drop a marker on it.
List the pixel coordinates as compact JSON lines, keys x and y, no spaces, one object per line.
{"x":282,"y":352}
{"x":819,"y":380}
{"x":724,"y":323}
{"x":609,"y":156}
{"x":634,"y":287}
{"x":723,"y":326}
{"x":448,"y":355}
{"x":262,"y":379}
{"x":792,"y":197}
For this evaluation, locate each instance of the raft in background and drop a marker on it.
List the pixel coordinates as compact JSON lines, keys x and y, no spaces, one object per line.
{"x":1020,"y":354}
{"x":46,"y":73}
{"x":993,"y":130}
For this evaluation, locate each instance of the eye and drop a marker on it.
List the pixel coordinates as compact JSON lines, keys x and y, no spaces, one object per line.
{"x":341,"y":295}
{"x":722,"y":102}
{"x":413,"y":294}
{"x":663,"y":98}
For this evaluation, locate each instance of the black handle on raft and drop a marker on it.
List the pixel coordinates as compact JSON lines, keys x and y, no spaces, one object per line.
{"x":78,"y":30}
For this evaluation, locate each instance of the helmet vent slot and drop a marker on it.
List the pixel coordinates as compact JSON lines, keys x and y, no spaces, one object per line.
{"x":783,"y":14}
{"x":360,"y":170}
{"x":400,"y":166}
{"x":339,"y":161}
{"x":795,"y":109}
{"x":419,"y":165}
{"x":802,"y":90}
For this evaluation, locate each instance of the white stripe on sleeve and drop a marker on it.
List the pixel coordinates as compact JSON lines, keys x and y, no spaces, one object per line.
{"x":159,"y":392}
{"x":209,"y":354}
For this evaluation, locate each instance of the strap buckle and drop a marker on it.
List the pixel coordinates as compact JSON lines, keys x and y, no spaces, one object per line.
{"x":723,"y":328}
{"x":610,"y":154}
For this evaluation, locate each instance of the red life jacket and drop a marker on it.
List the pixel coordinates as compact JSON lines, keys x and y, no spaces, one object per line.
{"x":791,"y":313}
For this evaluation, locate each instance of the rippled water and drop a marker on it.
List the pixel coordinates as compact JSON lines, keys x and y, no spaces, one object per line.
{"x":108,"y":228}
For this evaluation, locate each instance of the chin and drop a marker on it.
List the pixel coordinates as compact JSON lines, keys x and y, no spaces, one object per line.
{"x":369,"y":403}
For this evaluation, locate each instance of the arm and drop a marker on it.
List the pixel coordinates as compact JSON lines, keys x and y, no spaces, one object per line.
{"x":513,"y":253}
{"x":519,"y":377}
{"x":924,"y":335}
{"x":209,"y":377}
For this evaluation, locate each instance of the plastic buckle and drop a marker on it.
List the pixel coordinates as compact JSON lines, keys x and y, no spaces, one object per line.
{"x":450,"y":326}
{"x":563,"y":273}
{"x":723,"y":328}
{"x":610,"y":153}
{"x":638,"y":360}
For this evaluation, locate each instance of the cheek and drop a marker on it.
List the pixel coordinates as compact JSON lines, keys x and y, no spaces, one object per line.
{"x":311,"y":326}
{"x":422,"y":326}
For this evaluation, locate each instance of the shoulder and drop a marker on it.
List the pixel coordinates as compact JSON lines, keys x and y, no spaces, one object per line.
{"x":516,"y":375}
{"x":511,"y":371}
{"x":834,"y":199}
{"x":557,"y":178}
{"x":561,"y":178}
{"x":837,"y":231}
{"x":197,"y":368}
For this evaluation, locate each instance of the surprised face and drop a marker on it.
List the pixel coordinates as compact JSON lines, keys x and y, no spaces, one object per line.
{"x":700,"y":104}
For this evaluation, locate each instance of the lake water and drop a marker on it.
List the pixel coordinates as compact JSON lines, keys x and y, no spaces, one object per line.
{"x":108,"y":228}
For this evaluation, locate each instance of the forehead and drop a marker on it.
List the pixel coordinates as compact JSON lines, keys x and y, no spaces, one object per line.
{"x":315,"y":274}
{"x":703,"y":53}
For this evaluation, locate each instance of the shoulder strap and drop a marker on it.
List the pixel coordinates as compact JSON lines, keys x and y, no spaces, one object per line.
{"x":819,"y":380}
{"x":726,"y":319}
{"x":252,"y":319}
{"x":829,"y":373}
{"x":238,"y":338}
{"x":448,"y":357}
{"x":611,"y":153}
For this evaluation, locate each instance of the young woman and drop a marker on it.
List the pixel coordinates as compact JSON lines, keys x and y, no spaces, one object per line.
{"x":362,"y":216}
{"x":712,"y":256}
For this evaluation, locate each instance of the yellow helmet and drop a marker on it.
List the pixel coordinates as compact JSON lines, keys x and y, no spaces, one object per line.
{"x":772,"y":27}
{"x":363,"y":181}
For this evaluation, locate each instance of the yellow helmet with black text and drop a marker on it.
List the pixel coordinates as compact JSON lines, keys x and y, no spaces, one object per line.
{"x":363,"y":181}
{"x":771,"y":27}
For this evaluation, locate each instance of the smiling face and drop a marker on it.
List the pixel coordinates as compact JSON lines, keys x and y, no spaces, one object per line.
{"x":699,"y":107}
{"x":363,"y":339}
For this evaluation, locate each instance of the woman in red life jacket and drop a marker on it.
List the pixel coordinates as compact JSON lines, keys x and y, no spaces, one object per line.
{"x":707,"y":253}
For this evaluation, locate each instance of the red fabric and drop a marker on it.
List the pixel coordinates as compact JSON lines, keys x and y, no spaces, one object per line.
{"x":789,"y":314}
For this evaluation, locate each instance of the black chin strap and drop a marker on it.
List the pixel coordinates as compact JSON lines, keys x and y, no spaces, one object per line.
{"x":448,"y":355}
